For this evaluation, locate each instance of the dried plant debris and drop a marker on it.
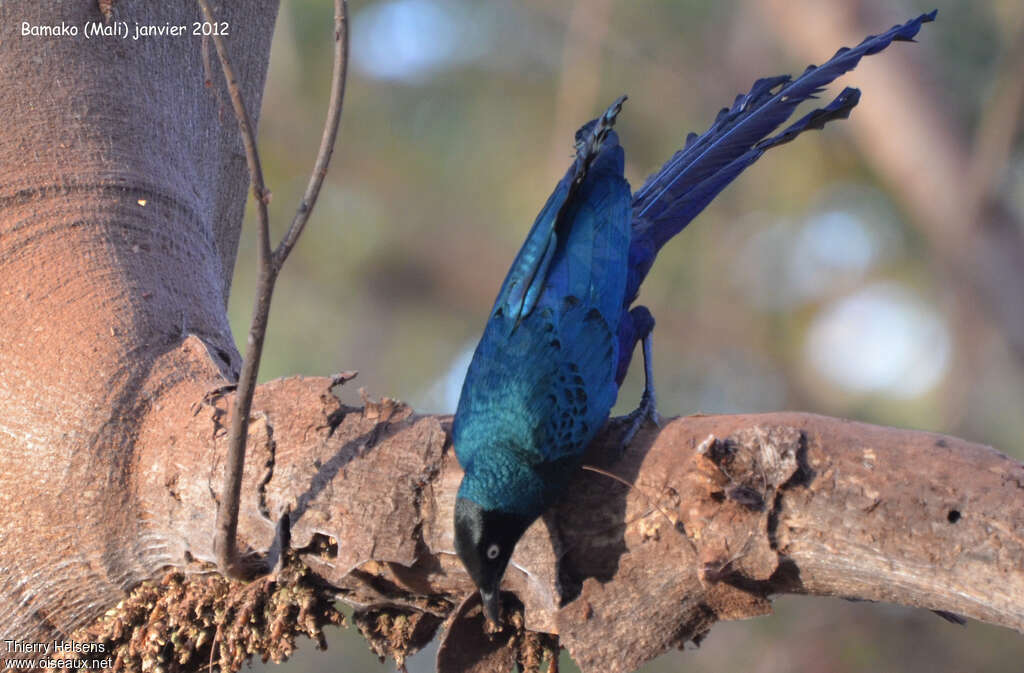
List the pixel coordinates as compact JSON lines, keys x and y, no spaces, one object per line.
{"x":531,"y":648}
{"x":184,"y":623}
{"x":536,"y":648}
{"x":396,"y":633}
{"x":473,"y":645}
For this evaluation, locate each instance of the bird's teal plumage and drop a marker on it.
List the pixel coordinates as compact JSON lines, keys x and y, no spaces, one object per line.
{"x":560,"y":337}
{"x":520,"y":430}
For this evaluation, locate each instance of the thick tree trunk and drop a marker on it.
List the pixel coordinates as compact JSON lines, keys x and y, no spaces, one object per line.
{"x":123,"y":190}
{"x":122,"y":198}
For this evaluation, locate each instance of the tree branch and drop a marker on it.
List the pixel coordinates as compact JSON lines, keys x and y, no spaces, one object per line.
{"x":725,"y":512}
{"x":323,"y":157}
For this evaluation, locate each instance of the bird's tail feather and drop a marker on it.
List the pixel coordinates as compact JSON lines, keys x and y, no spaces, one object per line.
{"x":673,"y":196}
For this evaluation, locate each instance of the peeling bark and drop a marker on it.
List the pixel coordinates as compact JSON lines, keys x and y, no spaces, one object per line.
{"x":725,"y":512}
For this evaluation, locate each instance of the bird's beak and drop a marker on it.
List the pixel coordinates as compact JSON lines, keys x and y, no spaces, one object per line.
{"x":492,"y":605}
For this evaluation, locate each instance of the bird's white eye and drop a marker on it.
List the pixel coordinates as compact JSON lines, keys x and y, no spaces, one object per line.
{"x":493,"y":551}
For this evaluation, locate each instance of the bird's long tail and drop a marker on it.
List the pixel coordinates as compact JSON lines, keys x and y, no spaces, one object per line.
{"x":684,"y":186}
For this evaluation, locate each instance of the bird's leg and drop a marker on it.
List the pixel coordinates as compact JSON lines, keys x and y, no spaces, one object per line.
{"x":648,"y":402}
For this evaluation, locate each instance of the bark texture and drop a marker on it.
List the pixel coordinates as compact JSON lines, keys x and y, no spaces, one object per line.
{"x":725,"y":512}
{"x":122,"y":195}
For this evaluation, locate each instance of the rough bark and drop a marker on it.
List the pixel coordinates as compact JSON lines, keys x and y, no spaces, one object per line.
{"x":122,"y":195}
{"x":725,"y":512}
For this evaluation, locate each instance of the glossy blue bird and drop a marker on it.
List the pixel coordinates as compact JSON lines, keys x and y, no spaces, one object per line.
{"x":562,"y":332}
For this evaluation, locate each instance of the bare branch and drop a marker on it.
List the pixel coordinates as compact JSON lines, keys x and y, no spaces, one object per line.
{"x":227,"y":519}
{"x":270,"y":264}
{"x":323,"y":157}
{"x":245,"y":129}
{"x":725,"y":511}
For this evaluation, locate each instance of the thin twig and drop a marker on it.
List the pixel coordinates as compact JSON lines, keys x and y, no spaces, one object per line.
{"x":225,"y":546}
{"x":323,"y":158}
{"x":245,"y":129}
{"x":270,"y":263}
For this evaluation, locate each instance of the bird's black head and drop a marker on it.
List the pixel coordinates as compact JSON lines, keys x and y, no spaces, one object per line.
{"x":484,"y":540}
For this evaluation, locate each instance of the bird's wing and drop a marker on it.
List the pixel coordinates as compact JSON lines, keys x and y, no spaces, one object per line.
{"x":581,"y":390}
{"x":579,"y":308}
{"x":551,"y":332}
{"x":543,"y":393}
{"x":527,"y":278}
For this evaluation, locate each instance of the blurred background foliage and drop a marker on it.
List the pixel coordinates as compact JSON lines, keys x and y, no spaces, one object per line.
{"x":826,"y":279}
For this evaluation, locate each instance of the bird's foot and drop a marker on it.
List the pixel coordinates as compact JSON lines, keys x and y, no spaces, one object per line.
{"x":648,"y":410}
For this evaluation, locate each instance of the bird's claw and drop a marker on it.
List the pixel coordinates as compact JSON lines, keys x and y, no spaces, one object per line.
{"x":648,"y":410}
